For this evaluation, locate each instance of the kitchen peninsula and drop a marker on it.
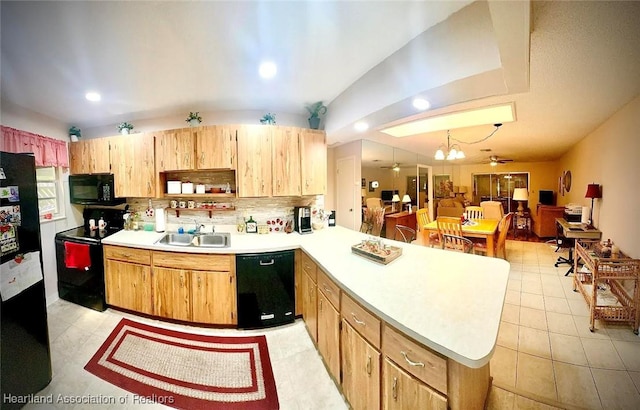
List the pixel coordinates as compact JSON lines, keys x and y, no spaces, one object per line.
{"x":440,"y":310}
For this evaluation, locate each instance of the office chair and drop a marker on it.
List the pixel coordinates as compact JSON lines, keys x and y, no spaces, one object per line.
{"x":563,"y":242}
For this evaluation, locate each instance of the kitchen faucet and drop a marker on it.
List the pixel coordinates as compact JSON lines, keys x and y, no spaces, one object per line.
{"x":198,"y":227}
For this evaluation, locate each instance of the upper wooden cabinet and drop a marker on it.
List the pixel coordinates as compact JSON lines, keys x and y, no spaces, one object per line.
{"x":254,"y":161}
{"x":89,"y":156}
{"x":215,"y":147}
{"x":313,"y":159}
{"x":285,"y":149}
{"x":133,"y":165}
{"x":175,"y":150}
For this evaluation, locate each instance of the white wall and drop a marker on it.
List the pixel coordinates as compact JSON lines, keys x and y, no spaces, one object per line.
{"x":609,"y":156}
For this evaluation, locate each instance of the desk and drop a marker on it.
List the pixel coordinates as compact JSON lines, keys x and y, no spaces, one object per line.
{"x":575,"y":231}
{"x":486,"y":228}
{"x":399,"y":218}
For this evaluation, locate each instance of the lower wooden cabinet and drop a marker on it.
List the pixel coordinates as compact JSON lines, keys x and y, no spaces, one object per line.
{"x":360,"y":370}
{"x":172,"y":291}
{"x":128,"y":286}
{"x":402,"y":391}
{"x":213,"y":297}
{"x":309,"y":305}
{"x":329,"y":334}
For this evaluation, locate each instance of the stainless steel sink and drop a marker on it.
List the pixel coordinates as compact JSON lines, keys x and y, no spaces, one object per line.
{"x":214,"y":240}
{"x":176,"y":239}
{"x":205,"y":240}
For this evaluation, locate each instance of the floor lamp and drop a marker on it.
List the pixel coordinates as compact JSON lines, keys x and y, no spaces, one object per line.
{"x":593,"y":192}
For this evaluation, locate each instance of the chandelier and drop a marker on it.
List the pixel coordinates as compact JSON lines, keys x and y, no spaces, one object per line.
{"x":452,"y":151}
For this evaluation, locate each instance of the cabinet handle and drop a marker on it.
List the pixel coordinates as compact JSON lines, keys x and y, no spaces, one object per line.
{"x":321,"y":304}
{"x":355,"y":318}
{"x":394,"y":389}
{"x":199,"y":282}
{"x":271,"y":262}
{"x":326,"y":289}
{"x":202,"y":158}
{"x":412,"y":363}
{"x":181,"y":281}
{"x":368,"y":365}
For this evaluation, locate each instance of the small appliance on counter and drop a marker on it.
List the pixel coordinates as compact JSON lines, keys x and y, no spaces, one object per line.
{"x":302,"y":219}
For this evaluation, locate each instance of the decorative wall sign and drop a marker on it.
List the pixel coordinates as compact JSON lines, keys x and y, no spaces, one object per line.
{"x":566,"y":181}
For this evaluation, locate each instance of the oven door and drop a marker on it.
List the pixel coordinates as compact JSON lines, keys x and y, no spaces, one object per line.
{"x":80,"y":272}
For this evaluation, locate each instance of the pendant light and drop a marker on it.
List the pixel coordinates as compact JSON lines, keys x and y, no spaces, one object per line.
{"x":452,"y":151}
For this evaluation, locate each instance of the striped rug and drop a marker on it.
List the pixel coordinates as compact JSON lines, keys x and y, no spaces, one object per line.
{"x":187,"y":371}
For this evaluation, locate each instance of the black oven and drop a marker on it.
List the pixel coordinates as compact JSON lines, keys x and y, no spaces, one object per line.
{"x":79,"y":258}
{"x":93,"y":189}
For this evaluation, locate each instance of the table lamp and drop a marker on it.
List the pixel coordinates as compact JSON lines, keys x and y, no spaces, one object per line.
{"x":394,"y":200}
{"x":520,"y":195}
{"x":406,"y":199}
{"x":593,"y":192}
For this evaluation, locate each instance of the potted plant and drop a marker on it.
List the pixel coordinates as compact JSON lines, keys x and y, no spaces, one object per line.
{"x":125,"y":128}
{"x":316,"y":110}
{"x":269,"y":119}
{"x":194,"y":119}
{"x":74,"y":133}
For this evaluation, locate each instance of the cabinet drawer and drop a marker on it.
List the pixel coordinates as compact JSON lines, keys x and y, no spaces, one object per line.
{"x":364,"y":322}
{"x":308,"y":265}
{"x":330,"y":289}
{"x":122,"y":253}
{"x":220,"y":263}
{"x":416,"y":359}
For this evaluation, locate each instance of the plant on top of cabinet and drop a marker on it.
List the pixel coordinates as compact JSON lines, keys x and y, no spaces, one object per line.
{"x":124,"y":128}
{"x":194,"y":118}
{"x":268,"y":119}
{"x":74,"y":133}
{"x":315,"y":111}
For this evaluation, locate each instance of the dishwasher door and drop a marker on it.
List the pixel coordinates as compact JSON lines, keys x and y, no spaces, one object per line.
{"x":265,"y":286}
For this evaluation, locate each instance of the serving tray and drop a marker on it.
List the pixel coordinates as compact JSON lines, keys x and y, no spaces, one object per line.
{"x":383,"y":255}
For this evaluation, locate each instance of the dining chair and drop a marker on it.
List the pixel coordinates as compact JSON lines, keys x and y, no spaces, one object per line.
{"x":501,"y":243}
{"x":474,"y":212}
{"x":422,"y":219}
{"x":492,"y":209}
{"x":448,"y":226}
{"x":457,"y":243}
{"x":407,"y":234}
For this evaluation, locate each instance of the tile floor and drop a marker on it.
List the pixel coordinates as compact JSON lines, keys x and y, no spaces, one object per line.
{"x":545,"y":357}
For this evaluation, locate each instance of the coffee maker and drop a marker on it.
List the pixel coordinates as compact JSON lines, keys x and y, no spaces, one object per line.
{"x":302,"y":219}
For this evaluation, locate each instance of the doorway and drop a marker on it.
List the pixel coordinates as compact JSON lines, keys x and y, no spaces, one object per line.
{"x":348,"y":208}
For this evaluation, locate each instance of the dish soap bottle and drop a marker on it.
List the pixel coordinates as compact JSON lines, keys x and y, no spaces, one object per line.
{"x":252,"y":226}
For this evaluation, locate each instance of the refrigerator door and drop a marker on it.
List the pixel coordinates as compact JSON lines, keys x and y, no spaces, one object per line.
{"x":24,"y":345}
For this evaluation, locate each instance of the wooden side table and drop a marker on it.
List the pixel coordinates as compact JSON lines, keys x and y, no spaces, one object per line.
{"x":399,"y":218}
{"x":522,"y":223}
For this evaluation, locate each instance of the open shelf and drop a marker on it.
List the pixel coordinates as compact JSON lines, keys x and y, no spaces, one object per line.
{"x":209,"y":210}
{"x":221,"y":195}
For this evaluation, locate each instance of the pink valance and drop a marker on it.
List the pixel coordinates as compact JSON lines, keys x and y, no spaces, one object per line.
{"x":47,"y":151}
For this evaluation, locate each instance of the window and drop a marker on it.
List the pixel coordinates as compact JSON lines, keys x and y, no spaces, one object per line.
{"x":49,"y":193}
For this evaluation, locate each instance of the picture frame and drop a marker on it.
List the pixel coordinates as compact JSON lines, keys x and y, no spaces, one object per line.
{"x":363,"y":184}
{"x":442,"y":185}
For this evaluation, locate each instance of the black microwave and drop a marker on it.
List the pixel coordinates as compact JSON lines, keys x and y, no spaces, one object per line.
{"x":93,"y":189}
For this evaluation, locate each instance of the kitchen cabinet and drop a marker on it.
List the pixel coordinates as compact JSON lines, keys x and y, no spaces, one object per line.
{"x":360,"y":370}
{"x":128,"y":278}
{"x":172,"y":293}
{"x":175,"y":150}
{"x":309,"y":295}
{"x":133,"y":165}
{"x":329,"y":323}
{"x":213,"y":297}
{"x":254,"y":161}
{"x":286,"y":161}
{"x":313,"y":161}
{"x":215,"y":147}
{"x":403,"y":391}
{"x":89,"y":156}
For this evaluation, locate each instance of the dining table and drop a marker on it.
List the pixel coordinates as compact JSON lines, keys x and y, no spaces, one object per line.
{"x":475,"y":228}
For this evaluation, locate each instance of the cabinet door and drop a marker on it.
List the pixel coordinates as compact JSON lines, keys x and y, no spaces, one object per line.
{"x":171,"y":290}
{"x":309,"y":306}
{"x":254,"y":161}
{"x":402,"y":391}
{"x":215,"y":147}
{"x":99,"y":154}
{"x":286,"y":161}
{"x":128,"y":285}
{"x":360,"y":370}
{"x":175,"y":150}
{"x":313,"y":159}
{"x":329,"y":334}
{"x":79,"y":157}
{"x":133,"y":165}
{"x":213,"y":297}
{"x":89,"y":156}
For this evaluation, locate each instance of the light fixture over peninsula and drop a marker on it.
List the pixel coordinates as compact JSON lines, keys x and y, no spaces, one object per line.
{"x":268,"y":69}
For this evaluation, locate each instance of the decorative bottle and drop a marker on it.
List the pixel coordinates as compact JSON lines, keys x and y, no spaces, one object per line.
{"x":252,"y":226}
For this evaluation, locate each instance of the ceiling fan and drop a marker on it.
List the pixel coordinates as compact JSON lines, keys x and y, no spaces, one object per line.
{"x":494,"y":160}
{"x":395,"y":166}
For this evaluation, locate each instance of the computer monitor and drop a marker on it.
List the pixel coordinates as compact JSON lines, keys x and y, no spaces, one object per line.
{"x":546,"y":197}
{"x":387,"y":195}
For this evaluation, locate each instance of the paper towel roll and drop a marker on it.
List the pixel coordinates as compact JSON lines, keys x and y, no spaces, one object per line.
{"x":161,"y":220}
{"x":585,"y":215}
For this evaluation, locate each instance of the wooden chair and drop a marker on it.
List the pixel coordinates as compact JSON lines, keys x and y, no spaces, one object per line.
{"x":457,"y":243}
{"x":474,"y":212}
{"x":407,"y":234}
{"x":422,"y":219}
{"x":503,"y":228}
{"x":448,"y":226}
{"x":492,"y":209}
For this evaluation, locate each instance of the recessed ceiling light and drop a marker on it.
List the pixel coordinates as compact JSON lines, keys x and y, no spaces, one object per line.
{"x":92,"y":96}
{"x":268,"y":69}
{"x":361,"y":126}
{"x":421,"y":104}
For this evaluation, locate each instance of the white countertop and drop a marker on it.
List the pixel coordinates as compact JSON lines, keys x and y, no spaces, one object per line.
{"x":449,"y":301}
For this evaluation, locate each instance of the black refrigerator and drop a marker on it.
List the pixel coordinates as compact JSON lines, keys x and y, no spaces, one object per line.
{"x":26,"y":357}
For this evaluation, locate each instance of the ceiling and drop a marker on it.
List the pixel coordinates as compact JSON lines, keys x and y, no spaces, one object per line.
{"x":566,"y":66}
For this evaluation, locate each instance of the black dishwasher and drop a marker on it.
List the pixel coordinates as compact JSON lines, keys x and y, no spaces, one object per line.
{"x":266,"y":295}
